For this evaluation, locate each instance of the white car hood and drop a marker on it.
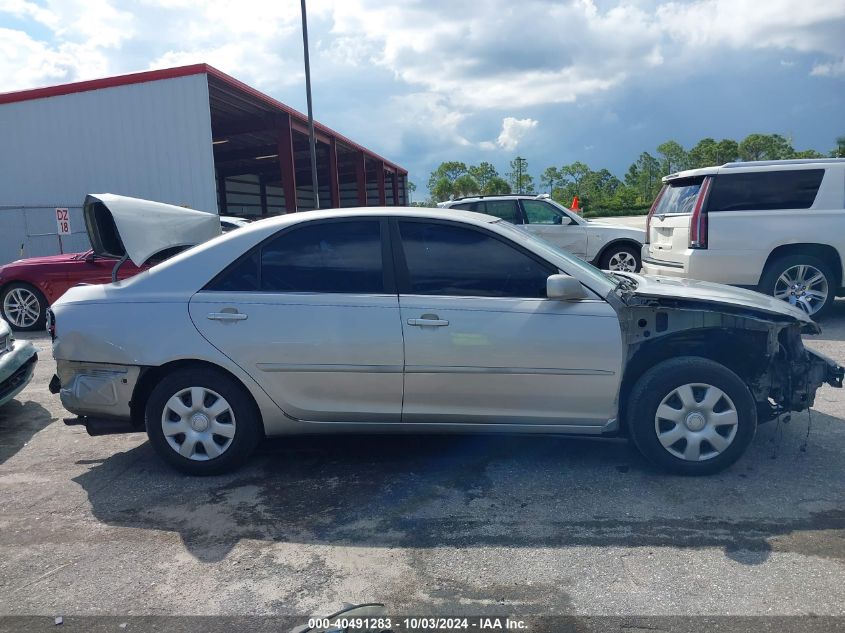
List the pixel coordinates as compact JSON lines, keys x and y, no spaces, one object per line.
{"x":119,"y":225}
{"x":708,"y":292}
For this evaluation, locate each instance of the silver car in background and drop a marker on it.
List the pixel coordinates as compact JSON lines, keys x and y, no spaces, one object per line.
{"x":421,"y":320}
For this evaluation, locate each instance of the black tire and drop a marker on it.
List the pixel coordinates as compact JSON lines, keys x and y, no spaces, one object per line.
{"x":777,"y":267}
{"x":41,"y":321}
{"x":658,"y":383}
{"x":248,"y":428}
{"x":615,"y":249}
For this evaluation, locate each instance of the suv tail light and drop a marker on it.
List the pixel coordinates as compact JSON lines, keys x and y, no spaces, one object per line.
{"x":698,"y":220}
{"x":651,"y":212}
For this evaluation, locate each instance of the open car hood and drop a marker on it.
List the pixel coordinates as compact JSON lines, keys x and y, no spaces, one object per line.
{"x":139,"y":229}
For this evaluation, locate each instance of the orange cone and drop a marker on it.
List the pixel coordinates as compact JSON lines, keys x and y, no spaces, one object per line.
{"x":575,"y":204}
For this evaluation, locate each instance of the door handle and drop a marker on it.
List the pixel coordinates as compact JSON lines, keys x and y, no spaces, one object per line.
{"x":428,"y":322}
{"x":227,"y":316}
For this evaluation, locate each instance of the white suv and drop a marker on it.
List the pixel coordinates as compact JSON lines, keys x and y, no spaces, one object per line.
{"x":608,"y":246}
{"x":774,"y":226}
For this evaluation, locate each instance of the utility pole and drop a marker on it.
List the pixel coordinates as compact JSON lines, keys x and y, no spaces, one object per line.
{"x":311,"y":138}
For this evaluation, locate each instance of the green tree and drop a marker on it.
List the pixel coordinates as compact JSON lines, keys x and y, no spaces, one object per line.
{"x":465,"y":185}
{"x":449,"y":170}
{"x":411,"y":189}
{"x":808,"y":153}
{"x":839,"y":152}
{"x":496,"y":186}
{"x":483,"y":173}
{"x":765,"y":147}
{"x":575,"y":174}
{"x":442,"y":189}
{"x":675,"y":157}
{"x":704,"y":153}
{"x":549,"y":178}
{"x":727,"y":151}
{"x":519,"y":178}
{"x":644,"y":177}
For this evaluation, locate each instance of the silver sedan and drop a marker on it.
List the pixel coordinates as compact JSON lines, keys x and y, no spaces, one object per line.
{"x":421,"y":320}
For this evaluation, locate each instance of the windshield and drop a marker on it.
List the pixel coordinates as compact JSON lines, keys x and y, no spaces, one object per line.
{"x":598,"y":281}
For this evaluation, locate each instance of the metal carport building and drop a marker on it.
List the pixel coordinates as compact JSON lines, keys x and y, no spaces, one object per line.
{"x":191,"y":136}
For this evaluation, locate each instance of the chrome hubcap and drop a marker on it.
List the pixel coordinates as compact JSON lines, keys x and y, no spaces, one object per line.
{"x":623,"y":261}
{"x":198,"y":423}
{"x":804,"y":286}
{"x":21,"y":307}
{"x":696,"y":422}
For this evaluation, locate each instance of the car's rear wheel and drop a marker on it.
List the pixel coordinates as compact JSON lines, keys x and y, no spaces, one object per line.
{"x":202,"y":422}
{"x":691,"y":416}
{"x":622,"y":258}
{"x":801,"y":280}
{"x":24,"y":307}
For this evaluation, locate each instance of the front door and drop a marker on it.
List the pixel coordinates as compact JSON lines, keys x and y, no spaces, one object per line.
{"x":484,"y":345}
{"x":544,"y":220}
{"x":312,"y":317}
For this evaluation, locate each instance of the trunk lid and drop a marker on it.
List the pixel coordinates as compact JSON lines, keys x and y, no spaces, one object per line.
{"x":120,"y":226}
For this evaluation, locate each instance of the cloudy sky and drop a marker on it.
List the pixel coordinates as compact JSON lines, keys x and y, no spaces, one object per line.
{"x":422,"y":81}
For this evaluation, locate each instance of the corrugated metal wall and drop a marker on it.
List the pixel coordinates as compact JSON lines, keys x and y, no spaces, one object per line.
{"x":150,"y":140}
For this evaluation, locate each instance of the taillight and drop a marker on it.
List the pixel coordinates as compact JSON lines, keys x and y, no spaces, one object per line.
{"x":651,"y":212}
{"x":698,"y":221}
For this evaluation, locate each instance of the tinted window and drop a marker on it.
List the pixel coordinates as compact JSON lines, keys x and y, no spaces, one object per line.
{"x":242,"y":276}
{"x":464,"y":206}
{"x":795,"y":189}
{"x":326,"y":257}
{"x":451,"y":260}
{"x":507,"y":210}
{"x":679,"y":196}
{"x":538,"y":212}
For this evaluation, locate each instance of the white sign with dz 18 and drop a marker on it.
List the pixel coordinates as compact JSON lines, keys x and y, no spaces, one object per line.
{"x":63,"y":221}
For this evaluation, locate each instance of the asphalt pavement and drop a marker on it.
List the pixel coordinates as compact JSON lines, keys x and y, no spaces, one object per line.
{"x":436,"y":525}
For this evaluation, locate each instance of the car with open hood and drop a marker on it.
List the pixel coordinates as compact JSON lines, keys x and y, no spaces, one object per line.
{"x":29,"y":286}
{"x":421,"y":320}
{"x":17,"y":363}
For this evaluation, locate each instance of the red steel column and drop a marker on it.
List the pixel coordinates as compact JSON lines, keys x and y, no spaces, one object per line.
{"x":382,"y":197}
{"x":286,"y":163}
{"x":334,"y":180}
{"x":361,"y":178}
{"x":395,"y":187}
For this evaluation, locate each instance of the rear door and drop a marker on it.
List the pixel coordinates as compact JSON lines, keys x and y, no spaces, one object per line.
{"x":312,"y":316}
{"x":544,"y":220}
{"x":669,"y":227}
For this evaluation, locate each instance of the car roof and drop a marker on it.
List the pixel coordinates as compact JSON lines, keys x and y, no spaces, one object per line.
{"x":756,"y":165}
{"x":362,"y":212}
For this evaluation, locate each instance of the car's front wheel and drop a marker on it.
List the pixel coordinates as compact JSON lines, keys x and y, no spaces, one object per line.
{"x":691,"y":416}
{"x":622,"y":258}
{"x":24,"y":307}
{"x":202,"y":422}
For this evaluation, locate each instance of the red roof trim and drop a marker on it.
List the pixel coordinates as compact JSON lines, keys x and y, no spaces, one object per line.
{"x":172,"y":73}
{"x":97,"y":84}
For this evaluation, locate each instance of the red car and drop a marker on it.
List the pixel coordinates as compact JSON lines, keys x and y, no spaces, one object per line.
{"x":29,"y":286}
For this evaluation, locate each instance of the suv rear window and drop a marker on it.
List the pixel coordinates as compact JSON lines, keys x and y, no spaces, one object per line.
{"x":750,"y":191}
{"x":679,"y":196}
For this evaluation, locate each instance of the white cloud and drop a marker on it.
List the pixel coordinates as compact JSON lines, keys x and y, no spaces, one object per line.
{"x":513,"y":130}
{"x":831,"y":69}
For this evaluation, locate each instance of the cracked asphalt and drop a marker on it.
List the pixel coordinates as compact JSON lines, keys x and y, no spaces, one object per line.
{"x":438,"y":525}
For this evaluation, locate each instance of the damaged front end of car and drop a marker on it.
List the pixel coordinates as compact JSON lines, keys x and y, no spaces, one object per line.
{"x":762,"y":345}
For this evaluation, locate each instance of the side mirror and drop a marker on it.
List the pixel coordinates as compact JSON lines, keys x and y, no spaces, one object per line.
{"x":564,"y":288}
